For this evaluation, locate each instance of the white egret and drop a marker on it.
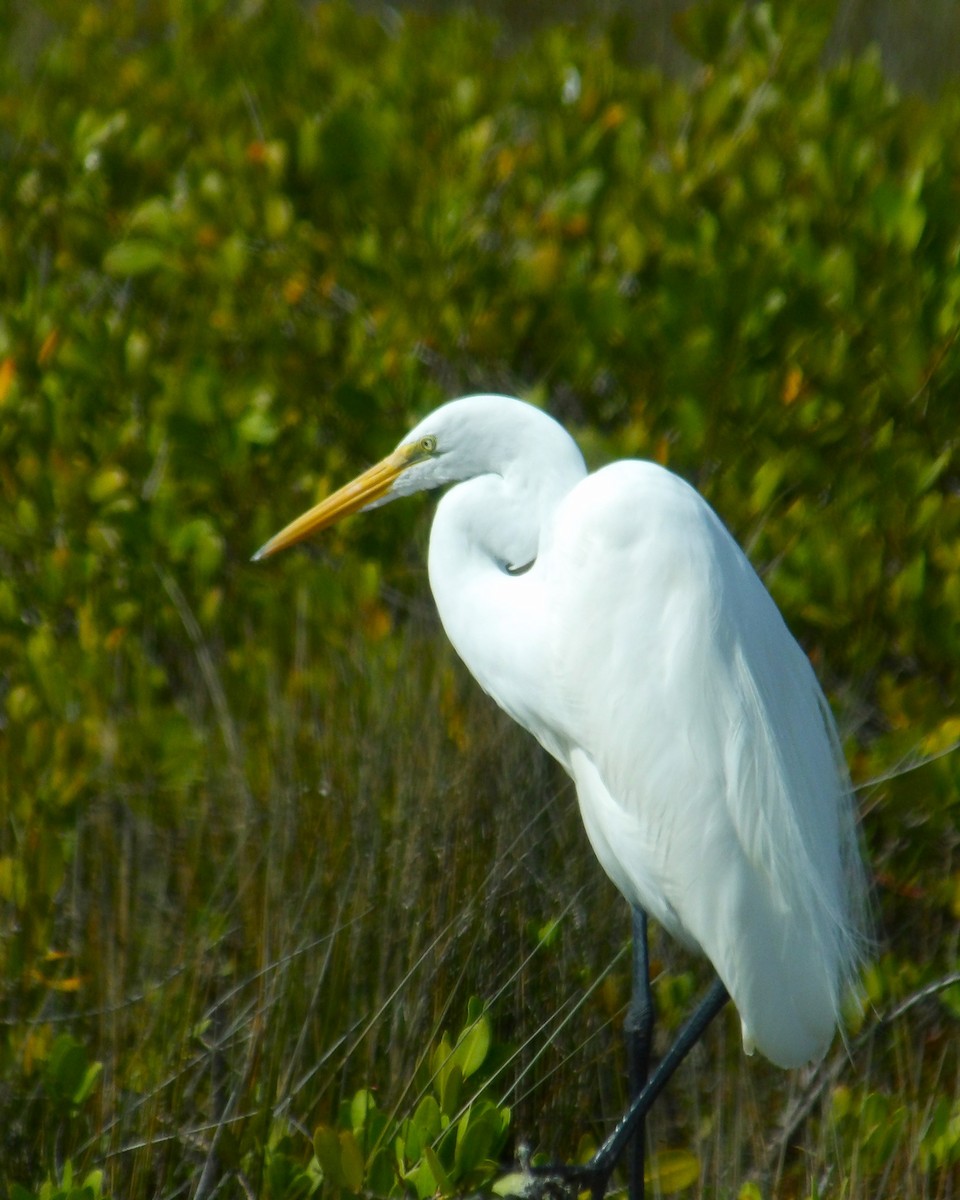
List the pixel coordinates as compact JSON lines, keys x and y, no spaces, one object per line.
{"x":614,"y":617}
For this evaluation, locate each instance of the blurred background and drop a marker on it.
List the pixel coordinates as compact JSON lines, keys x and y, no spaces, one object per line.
{"x":287,"y":907}
{"x":919,"y":44}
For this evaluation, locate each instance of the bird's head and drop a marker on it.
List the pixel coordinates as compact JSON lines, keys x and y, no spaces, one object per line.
{"x":445,"y":447}
{"x":393,"y":476}
{"x":476,"y":435}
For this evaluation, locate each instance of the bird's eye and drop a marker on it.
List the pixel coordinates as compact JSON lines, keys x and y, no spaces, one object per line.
{"x":428,"y":444}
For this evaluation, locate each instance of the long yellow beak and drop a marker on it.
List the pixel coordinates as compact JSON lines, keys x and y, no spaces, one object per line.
{"x":366,"y":488}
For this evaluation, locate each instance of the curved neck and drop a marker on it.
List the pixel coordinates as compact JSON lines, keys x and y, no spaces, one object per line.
{"x":500,"y":622}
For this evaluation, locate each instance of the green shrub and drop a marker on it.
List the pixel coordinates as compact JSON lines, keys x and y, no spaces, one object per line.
{"x":256,"y":825}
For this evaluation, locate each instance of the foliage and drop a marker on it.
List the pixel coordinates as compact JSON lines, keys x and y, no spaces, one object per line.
{"x":259,"y":835}
{"x":448,"y":1144}
{"x":67,"y":1188}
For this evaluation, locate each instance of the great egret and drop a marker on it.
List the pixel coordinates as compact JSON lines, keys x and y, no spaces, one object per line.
{"x":614,"y":617}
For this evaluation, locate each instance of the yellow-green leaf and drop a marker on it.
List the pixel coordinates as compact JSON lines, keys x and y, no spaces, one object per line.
{"x":673,"y":1171}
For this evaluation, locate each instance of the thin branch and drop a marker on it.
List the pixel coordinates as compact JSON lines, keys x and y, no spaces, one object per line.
{"x":827,"y":1073}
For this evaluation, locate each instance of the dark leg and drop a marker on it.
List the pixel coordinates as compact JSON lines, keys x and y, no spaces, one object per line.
{"x":606,"y":1157}
{"x":595,"y":1174}
{"x":639,"y":1031}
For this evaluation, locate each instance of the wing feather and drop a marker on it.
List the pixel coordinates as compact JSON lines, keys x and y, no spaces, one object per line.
{"x":704,"y":752}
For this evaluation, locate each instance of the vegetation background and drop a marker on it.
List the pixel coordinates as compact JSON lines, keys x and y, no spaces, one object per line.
{"x":261,"y":839}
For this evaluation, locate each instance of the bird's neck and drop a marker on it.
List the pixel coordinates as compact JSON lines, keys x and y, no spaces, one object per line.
{"x":493,"y":610}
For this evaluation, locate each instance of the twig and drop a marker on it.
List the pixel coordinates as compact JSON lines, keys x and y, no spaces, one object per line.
{"x":827,"y":1073}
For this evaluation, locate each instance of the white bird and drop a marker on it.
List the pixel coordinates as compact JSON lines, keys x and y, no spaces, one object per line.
{"x":614,"y":617}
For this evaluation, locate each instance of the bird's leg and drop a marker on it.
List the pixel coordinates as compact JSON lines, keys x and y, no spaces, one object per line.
{"x":605,"y":1159}
{"x":595,"y":1174}
{"x":639,"y":1030}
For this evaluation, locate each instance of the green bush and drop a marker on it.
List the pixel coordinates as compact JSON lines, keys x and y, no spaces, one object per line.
{"x":257,"y":826}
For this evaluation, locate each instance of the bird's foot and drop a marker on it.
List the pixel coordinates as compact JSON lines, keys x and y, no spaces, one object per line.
{"x":554,"y":1181}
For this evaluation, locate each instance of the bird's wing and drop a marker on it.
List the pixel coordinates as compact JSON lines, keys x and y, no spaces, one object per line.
{"x":702,"y":747}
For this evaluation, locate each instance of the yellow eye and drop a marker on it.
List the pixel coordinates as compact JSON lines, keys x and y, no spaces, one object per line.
{"x":428,"y":444}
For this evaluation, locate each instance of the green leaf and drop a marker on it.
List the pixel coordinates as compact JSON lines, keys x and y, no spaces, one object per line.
{"x":351,"y":1162}
{"x":154,"y":217}
{"x":137,"y":256}
{"x":422,"y":1128}
{"x":423,"y":1179}
{"x":452,"y":1091}
{"x":673,"y":1171}
{"x":66,"y":1069}
{"x":362,"y":1107}
{"x":510,"y":1185}
{"x":88,"y":1083}
{"x":472,"y":1047}
{"x":106,"y":483}
{"x":258,"y":428}
{"x":326,"y":1147}
{"x":478,"y":1136}
{"x":443,"y":1181}
{"x":440,"y":1061}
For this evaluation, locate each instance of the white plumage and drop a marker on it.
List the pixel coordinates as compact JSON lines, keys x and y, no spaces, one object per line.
{"x":614,"y":617}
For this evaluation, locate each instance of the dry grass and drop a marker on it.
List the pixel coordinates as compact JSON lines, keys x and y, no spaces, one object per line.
{"x":371,"y":843}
